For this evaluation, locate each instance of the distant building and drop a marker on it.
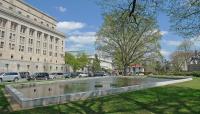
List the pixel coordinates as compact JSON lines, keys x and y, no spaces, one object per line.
{"x":194,"y":62}
{"x":105,"y":63}
{"x":135,"y":69}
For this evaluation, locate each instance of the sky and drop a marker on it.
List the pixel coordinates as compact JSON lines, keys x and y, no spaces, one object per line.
{"x":81,"y":19}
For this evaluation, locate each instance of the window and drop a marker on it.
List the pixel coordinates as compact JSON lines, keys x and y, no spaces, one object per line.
{"x":45,"y":37}
{"x":51,"y":38}
{"x":50,"y":53}
{"x":11,"y":56}
{"x":56,"y":68}
{"x":12,"y":37}
{"x":37,"y":67}
{"x":35,"y":19}
{"x":21,"y":48}
{"x":31,"y":32}
{"x":1,"y":44}
{"x":50,"y":46}
{"x":28,"y":66}
{"x":30,"y":41}
{"x":30,"y":50}
{"x":30,"y":58}
{"x":47,"y":25}
{"x":38,"y":44}
{"x":37,"y":51}
{"x":1,"y":4}
{"x":19,"y":12}
{"x":62,"y":42}
{"x":38,"y":59}
{"x":22,"y":40}
{"x":0,"y":54}
{"x":44,"y":45}
{"x":11,"y":46}
{"x":18,"y":66}
{"x":57,"y":40}
{"x":39,"y":34}
{"x":22,"y":57}
{"x":13,"y":26}
{"x":27,"y":16}
{"x":2,"y":22}
{"x":23,"y":29}
{"x":56,"y":48}
{"x":56,"y":54}
{"x":44,"y":52}
{"x":42,"y":22}
{"x":2,"y":34}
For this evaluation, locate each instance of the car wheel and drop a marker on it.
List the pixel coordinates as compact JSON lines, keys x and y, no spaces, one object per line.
{"x":16,"y":79}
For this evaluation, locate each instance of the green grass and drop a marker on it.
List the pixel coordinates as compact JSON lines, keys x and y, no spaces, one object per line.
{"x":181,"y":98}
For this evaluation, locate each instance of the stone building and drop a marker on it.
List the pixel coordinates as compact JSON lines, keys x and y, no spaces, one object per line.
{"x":29,"y":40}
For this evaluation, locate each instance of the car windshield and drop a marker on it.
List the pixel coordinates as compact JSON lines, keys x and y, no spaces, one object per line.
{"x":52,"y":73}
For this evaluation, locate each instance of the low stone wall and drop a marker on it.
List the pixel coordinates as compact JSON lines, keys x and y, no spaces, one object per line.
{"x":27,"y":103}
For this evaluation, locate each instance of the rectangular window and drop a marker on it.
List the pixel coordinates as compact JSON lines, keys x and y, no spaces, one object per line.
{"x":39,"y":34}
{"x":44,"y":52}
{"x":21,"y":48}
{"x":30,"y":50}
{"x":3,"y":22}
{"x":1,"y":44}
{"x":2,"y":34}
{"x":13,"y":26}
{"x":38,"y":44}
{"x":31,"y":32}
{"x":22,"y":40}
{"x":37,"y":51}
{"x":12,"y":37}
{"x":23,"y":29}
{"x":30,"y":41}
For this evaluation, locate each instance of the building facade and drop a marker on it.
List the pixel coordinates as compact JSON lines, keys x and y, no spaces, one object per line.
{"x":29,"y":40}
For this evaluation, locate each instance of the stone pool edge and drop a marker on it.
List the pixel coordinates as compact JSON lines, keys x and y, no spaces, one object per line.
{"x":27,"y":103}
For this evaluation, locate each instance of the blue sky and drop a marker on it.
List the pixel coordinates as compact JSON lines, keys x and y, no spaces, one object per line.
{"x":81,"y":19}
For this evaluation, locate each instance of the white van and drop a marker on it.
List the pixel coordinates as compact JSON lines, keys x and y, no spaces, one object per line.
{"x":9,"y":76}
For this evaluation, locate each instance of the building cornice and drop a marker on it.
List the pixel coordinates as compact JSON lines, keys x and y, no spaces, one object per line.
{"x":21,"y":17}
{"x":21,"y":1}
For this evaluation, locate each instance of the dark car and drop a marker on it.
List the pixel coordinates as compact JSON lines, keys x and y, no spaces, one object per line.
{"x":67,"y":74}
{"x":40,"y":76}
{"x":99,"y":74}
{"x":24,"y":74}
{"x":74,"y":74}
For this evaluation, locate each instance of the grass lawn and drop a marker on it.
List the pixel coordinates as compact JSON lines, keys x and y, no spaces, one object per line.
{"x":183,"y":98}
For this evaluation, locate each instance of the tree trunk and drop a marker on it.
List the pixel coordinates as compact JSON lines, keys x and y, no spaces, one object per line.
{"x":125,"y":70}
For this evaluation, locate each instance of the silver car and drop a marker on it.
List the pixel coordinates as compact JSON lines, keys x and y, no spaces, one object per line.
{"x":9,"y":76}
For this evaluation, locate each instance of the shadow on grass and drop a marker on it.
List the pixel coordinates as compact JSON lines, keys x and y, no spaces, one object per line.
{"x":161,"y":100}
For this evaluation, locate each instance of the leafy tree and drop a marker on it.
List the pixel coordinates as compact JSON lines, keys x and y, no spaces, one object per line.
{"x":72,"y":61}
{"x":96,"y":64}
{"x":126,"y":40}
{"x":83,"y":60}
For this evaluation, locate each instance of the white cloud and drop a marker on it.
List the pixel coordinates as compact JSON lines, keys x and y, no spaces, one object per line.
{"x":74,"y":47}
{"x":163,"y":32}
{"x":172,"y":42}
{"x":84,"y":38}
{"x":61,"y":9}
{"x":165,"y":53}
{"x":67,"y":26}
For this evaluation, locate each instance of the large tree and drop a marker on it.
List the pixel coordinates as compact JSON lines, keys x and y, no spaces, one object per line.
{"x":185,"y":17}
{"x":127,"y":40}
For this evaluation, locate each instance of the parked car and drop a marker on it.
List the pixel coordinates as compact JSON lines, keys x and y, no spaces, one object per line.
{"x":74,"y":74}
{"x":9,"y":76}
{"x":55,"y":75}
{"x":39,"y":76}
{"x":83,"y":74}
{"x":24,"y":74}
{"x":67,"y":74}
{"x":99,"y":74}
